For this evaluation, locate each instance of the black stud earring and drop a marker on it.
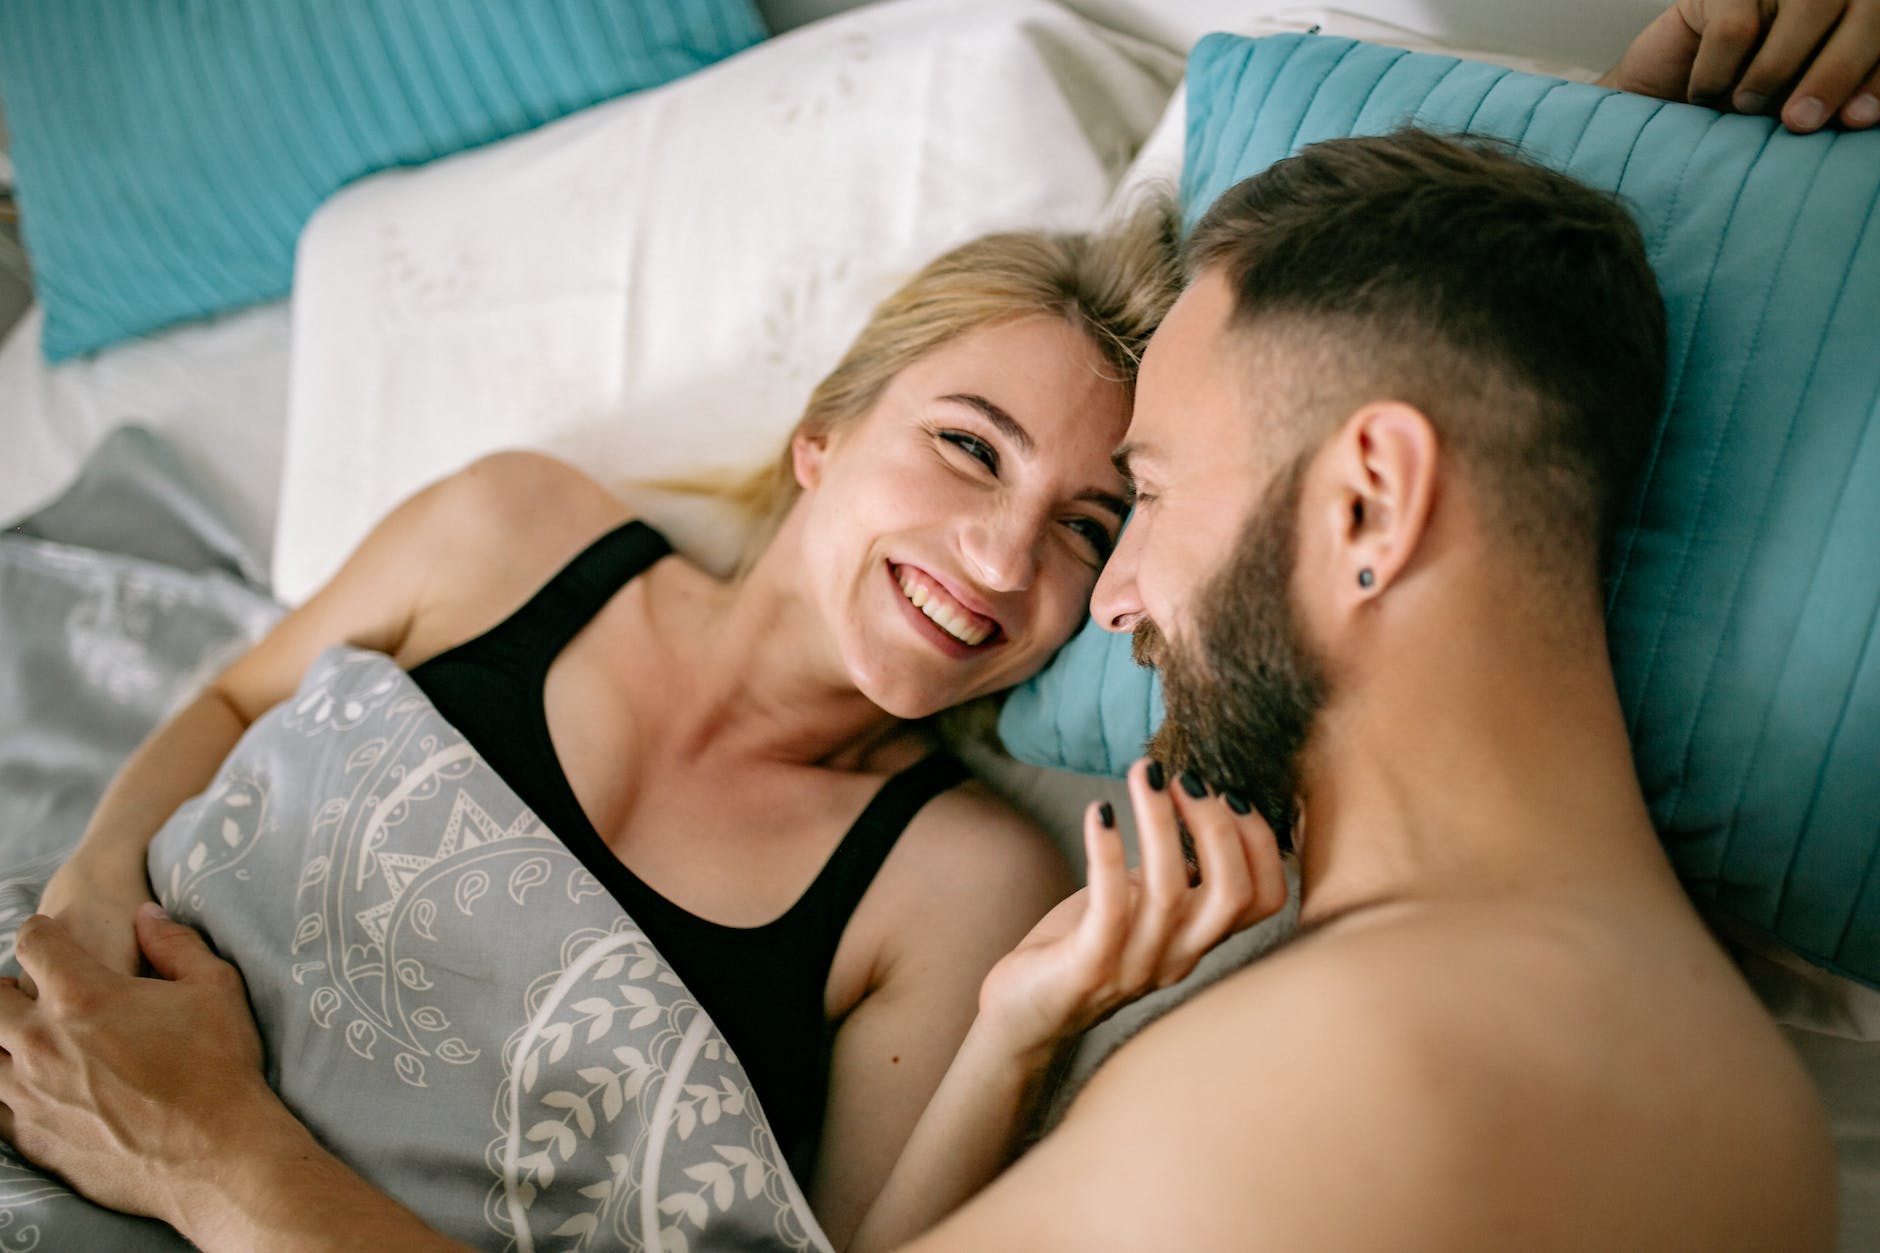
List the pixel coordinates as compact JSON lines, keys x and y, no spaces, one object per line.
{"x":1366,"y":578}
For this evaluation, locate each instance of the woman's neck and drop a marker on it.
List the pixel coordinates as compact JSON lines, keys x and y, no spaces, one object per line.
{"x":745,"y":670}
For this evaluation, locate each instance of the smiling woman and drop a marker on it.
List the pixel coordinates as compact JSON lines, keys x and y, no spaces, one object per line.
{"x":1113,"y":288}
{"x":983,"y":524}
{"x":738,"y":767}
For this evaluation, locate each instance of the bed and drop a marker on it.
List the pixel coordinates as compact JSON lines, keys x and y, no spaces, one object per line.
{"x":649,"y":285}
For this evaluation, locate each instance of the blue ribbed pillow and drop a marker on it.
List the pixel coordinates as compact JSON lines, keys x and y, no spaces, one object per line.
{"x":1745,"y":596}
{"x":167,"y":152}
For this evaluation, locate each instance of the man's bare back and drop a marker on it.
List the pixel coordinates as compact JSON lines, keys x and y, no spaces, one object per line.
{"x":1533,"y":1072}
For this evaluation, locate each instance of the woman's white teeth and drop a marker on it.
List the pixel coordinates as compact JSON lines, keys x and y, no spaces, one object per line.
{"x":960,"y":628}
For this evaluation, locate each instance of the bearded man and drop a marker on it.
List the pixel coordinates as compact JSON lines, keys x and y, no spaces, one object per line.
{"x":1377,"y":448}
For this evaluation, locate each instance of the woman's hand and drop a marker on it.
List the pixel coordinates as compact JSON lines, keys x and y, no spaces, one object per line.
{"x":122,"y":1085}
{"x":1130,"y":932}
{"x":98,"y":906}
{"x":1810,"y":61}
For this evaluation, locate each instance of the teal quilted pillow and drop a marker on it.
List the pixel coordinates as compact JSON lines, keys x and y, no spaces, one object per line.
{"x":1744,"y":602}
{"x":167,"y":152}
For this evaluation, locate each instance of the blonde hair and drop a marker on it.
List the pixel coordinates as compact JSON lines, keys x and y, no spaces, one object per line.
{"x":1114,"y":285}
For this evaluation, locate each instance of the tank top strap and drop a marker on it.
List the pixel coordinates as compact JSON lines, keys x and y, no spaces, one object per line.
{"x":871,"y":837}
{"x":565,"y":604}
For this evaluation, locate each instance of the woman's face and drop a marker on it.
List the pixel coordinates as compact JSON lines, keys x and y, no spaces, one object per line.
{"x":952,"y":535}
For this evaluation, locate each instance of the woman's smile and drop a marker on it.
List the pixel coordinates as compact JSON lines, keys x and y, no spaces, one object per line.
{"x":939,"y":616}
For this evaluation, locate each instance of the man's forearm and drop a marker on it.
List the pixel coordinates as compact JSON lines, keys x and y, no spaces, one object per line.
{"x":277,"y":1188}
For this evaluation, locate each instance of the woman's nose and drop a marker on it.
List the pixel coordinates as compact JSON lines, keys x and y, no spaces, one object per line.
{"x":1003,"y":549}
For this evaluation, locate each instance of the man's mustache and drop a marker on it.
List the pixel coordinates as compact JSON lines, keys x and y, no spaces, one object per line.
{"x":1147,"y":646}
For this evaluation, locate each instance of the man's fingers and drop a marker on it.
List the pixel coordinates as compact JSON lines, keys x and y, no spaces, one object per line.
{"x":1798,"y":30}
{"x":1845,"y":64}
{"x":1731,"y":30}
{"x":173,"y":950}
{"x":1863,"y":110}
{"x":15,"y":1005}
{"x":51,"y":958}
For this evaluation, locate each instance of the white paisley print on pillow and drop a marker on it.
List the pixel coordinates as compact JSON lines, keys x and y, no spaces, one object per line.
{"x":450,"y":999}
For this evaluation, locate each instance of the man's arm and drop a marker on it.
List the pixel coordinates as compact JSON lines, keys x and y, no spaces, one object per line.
{"x":94,"y":1088}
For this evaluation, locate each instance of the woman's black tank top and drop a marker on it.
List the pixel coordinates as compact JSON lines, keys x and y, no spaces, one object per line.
{"x":763,"y":986}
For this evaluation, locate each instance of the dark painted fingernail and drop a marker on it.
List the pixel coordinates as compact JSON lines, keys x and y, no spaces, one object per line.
{"x":1155,"y":777}
{"x":1106,"y":814}
{"x":1192,"y":784}
{"x":1237,"y":805}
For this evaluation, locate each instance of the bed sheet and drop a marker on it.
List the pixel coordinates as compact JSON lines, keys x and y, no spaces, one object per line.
{"x":216,"y":391}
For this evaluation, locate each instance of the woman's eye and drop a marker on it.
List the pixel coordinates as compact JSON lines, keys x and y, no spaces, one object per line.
{"x":978,"y":449}
{"x":1095,"y":534}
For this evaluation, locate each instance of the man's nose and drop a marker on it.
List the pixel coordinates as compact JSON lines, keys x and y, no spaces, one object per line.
{"x":1003,"y":549}
{"x":1115,"y":604}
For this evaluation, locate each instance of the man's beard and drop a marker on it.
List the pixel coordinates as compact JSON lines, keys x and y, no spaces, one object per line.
{"x":1242,"y":704}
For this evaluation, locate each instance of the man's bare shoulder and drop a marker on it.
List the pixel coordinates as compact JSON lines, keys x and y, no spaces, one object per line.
{"x":1445,"y":1080}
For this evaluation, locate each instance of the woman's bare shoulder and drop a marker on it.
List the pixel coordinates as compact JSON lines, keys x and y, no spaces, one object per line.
{"x":519,"y":497}
{"x":978,"y":858}
{"x":490,"y":534}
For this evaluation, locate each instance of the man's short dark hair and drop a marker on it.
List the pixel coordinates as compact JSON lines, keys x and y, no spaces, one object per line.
{"x":1512,"y":305}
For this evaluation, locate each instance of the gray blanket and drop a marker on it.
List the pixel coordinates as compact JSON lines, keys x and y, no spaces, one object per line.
{"x":446,"y":996}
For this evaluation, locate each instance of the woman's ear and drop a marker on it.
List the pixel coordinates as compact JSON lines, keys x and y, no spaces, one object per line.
{"x":808,"y":450}
{"x":1385,"y":466}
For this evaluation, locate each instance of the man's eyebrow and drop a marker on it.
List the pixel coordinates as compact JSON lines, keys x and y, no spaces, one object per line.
{"x":1007,"y":424}
{"x":1125,"y":451}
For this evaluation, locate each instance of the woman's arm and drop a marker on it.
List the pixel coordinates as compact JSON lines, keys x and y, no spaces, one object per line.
{"x":98,"y":889}
{"x":1126,"y":934}
{"x":371,"y":601}
{"x":984,"y":877}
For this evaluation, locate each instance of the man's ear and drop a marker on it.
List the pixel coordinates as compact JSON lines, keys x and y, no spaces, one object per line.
{"x":808,"y":450}
{"x":1383,"y":469}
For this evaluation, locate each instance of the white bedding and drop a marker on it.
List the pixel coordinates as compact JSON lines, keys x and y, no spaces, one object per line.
{"x":652,"y":287}
{"x":216,"y":390}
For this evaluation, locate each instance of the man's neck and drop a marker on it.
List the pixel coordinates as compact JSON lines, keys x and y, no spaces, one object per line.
{"x":1472,"y":750}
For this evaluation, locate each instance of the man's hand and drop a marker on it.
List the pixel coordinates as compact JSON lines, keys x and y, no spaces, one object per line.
{"x":1810,"y":61}
{"x":97,"y":904}
{"x":121,"y":1084}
